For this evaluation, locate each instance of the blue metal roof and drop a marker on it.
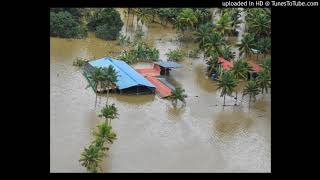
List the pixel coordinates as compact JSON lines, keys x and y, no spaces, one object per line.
{"x":128,"y":77}
{"x":168,"y":64}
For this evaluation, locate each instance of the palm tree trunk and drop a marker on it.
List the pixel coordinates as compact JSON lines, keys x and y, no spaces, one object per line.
{"x":95,"y":103}
{"x":132,"y":18}
{"x":236,"y":98}
{"x":249,"y":100}
{"x":110,"y":122}
{"x":127,"y":23}
{"x":137,"y":22}
{"x":224,"y":100}
{"x":107,"y":95}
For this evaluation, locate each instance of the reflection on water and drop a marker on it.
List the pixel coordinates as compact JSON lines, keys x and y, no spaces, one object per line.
{"x":132,"y":99}
{"x":175,"y":112}
{"x":228,"y":123}
{"x":153,"y":136}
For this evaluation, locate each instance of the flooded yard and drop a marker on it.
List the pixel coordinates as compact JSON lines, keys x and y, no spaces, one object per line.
{"x":153,"y":136}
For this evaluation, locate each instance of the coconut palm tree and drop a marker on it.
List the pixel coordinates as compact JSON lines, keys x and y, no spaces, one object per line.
{"x":260,"y":22}
{"x":202,"y":34}
{"x":188,"y":18}
{"x":109,"y":112}
{"x":246,"y":45}
{"x":212,"y":61}
{"x":97,"y":77}
{"x":178,"y":94}
{"x":251,"y":89}
{"x":227,"y":53}
{"x":264,"y":80}
{"x":264,"y":45}
{"x":203,"y":16}
{"x":266,"y":65}
{"x":224,"y":25}
{"x":235,"y":18}
{"x":91,"y":158}
{"x":104,"y":132}
{"x":179,"y":25}
{"x":215,"y":41}
{"x":143,"y":16}
{"x":110,"y":78}
{"x":240,"y":70}
{"x":227,"y":83}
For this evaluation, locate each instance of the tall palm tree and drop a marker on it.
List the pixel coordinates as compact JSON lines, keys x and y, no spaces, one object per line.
{"x":178,"y":94}
{"x":109,"y":112}
{"x":212,"y":61}
{"x":224,"y":25}
{"x":143,"y":16}
{"x":227,"y":83}
{"x":235,"y":18}
{"x":264,"y":45}
{"x":246,"y":45}
{"x":179,"y":25}
{"x":91,"y":158}
{"x":202,"y":34}
{"x":260,"y":23}
{"x":110,"y":78}
{"x":97,"y":77}
{"x":227,"y":53}
{"x":266,"y":65}
{"x":215,"y":41}
{"x":188,"y":17}
{"x":203,"y":16}
{"x":128,"y":14}
{"x":251,"y":89}
{"x":240,"y":70}
{"x":264,"y":80}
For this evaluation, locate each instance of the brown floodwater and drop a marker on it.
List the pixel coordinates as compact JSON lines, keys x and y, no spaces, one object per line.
{"x":153,"y":136}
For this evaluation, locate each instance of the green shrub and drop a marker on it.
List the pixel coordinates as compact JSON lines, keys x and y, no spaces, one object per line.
{"x":175,"y":55}
{"x":140,"y":52}
{"x":62,"y":24}
{"x":79,"y":62}
{"x":107,"y":32}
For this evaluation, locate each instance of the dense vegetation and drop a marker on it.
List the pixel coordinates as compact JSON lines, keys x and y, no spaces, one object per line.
{"x":75,"y":22}
{"x":139,"y":51}
{"x":63,"y":24}
{"x":106,"y":23}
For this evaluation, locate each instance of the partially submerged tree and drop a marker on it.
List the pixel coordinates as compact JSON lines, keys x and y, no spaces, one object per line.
{"x":104,"y":133}
{"x":227,"y":83}
{"x":247,"y":44}
{"x":264,"y":80}
{"x":109,"y":112}
{"x":240,"y":70}
{"x":252,"y":90}
{"x":97,"y":76}
{"x":175,"y":55}
{"x":110,"y":78}
{"x":178,"y":94}
{"x":91,"y":157}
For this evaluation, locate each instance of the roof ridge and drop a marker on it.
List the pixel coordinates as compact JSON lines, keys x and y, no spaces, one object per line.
{"x":111,"y":60}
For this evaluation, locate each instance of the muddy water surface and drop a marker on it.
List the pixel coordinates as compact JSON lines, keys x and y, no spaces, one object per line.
{"x":153,"y":136}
